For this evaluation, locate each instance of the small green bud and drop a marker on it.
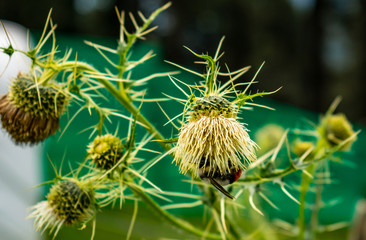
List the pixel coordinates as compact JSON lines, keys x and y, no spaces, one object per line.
{"x":105,"y":151}
{"x":338,"y":129}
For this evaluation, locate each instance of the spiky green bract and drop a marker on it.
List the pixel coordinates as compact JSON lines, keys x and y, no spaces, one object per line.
{"x":30,"y":113}
{"x":213,"y":139}
{"x":105,"y":151}
{"x":212,"y":106}
{"x":69,"y":202}
{"x":24,"y":94}
{"x":337,"y":130}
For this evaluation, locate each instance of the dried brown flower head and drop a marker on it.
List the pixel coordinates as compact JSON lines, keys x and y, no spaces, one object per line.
{"x":30,"y":113}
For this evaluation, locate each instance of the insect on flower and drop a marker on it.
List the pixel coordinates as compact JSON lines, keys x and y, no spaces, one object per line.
{"x":217,"y":179}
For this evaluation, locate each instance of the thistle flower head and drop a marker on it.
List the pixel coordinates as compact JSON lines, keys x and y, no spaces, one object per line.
{"x":105,"y":151}
{"x":69,"y":202}
{"x":30,"y":113}
{"x":213,"y":139}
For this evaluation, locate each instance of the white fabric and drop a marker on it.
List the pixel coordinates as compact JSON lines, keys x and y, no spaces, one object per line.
{"x":20,"y":167}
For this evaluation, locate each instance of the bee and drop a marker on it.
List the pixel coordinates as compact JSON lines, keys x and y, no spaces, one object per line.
{"x":216,"y":178}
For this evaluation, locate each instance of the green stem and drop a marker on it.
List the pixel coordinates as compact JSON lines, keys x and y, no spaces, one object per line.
{"x":305,"y":183}
{"x":314,"y":217}
{"x":124,"y":100}
{"x":181,"y":224}
{"x":233,"y":232}
{"x":211,"y":78}
{"x":124,"y":47}
{"x":306,"y":180}
{"x":270,"y":177}
{"x":131,"y":38}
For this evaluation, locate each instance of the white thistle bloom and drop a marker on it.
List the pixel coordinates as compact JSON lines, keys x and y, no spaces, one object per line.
{"x":213,"y":138}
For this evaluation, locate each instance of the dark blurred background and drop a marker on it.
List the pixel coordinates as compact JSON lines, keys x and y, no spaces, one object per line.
{"x":313,"y":48}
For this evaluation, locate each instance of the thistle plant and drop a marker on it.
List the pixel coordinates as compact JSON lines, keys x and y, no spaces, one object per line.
{"x":210,"y":140}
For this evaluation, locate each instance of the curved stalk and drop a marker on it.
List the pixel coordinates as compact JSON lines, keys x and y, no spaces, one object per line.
{"x":305,"y":183}
{"x":181,"y":224}
{"x":317,"y":205}
{"x":121,"y":97}
{"x":290,"y":169}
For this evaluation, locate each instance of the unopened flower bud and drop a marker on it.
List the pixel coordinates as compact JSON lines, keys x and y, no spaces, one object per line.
{"x":339,"y":129}
{"x":105,"y":151}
